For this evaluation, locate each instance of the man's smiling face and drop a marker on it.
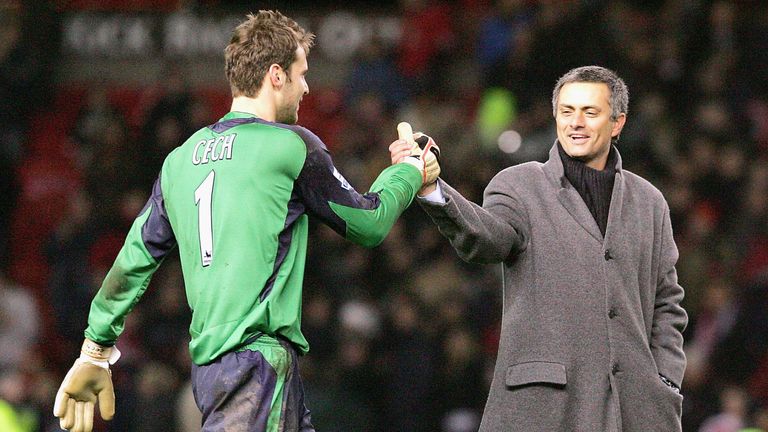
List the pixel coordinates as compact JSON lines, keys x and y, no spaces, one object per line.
{"x":584,"y":124}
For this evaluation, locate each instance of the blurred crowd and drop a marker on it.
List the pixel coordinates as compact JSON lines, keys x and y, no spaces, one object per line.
{"x":403,"y":336}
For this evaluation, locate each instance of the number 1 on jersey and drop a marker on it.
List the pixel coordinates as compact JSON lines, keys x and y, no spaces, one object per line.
{"x":203,"y":197}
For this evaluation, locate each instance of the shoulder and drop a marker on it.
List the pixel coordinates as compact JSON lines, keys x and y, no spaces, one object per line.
{"x":523,"y":169}
{"x":312,"y":141}
{"x":528,"y":170}
{"x":642,"y":187}
{"x":644,"y":194}
{"x":276,"y":133}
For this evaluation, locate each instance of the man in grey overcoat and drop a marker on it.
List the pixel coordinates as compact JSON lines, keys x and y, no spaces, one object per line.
{"x":591,"y":335}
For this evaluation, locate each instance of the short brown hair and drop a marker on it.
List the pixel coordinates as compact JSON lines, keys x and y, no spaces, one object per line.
{"x":263,"y":39}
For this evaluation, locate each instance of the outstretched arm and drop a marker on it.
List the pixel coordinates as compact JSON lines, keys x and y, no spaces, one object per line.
{"x":486,"y":234}
{"x":490,"y":233}
{"x":366,"y":218}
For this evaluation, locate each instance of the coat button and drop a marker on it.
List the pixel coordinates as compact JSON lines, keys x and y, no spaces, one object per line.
{"x":615,"y":369}
{"x":612,"y":313}
{"x":607,"y":255}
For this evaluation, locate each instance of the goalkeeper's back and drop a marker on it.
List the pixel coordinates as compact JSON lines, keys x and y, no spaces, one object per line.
{"x":235,"y":199}
{"x":227,"y":191}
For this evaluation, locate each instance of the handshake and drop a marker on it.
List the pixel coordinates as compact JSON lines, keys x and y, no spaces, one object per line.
{"x":418,"y":150}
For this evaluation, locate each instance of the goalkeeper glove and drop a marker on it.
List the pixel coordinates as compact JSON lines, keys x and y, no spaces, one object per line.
{"x":88,"y":381}
{"x":425,"y":149}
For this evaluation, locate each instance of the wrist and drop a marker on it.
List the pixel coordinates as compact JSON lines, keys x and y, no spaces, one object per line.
{"x":436,"y":196}
{"x":415,"y":161}
{"x":427,"y":189}
{"x":97,"y":354}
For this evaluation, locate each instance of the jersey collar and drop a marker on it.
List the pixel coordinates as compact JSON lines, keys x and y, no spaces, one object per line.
{"x":237,"y":114}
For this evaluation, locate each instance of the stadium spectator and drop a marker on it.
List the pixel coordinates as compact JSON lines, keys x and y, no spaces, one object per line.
{"x":19,"y":324}
{"x":375,"y":71}
{"x":423,"y":52}
{"x":410,"y":367}
{"x":14,"y":415}
{"x":734,"y":408}
{"x":71,"y":284}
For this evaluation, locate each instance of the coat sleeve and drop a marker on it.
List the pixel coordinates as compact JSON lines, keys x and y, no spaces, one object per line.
{"x":669,"y":318}
{"x":490,"y":233}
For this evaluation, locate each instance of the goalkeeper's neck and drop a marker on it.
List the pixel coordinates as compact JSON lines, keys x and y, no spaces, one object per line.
{"x":260,"y":106}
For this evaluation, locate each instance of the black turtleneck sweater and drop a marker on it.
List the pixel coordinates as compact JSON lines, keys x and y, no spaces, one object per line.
{"x":595,"y":187}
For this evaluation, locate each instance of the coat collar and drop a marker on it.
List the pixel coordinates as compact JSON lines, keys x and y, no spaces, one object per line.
{"x":570,"y":199}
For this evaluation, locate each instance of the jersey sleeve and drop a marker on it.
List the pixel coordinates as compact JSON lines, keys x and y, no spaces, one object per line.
{"x":365,"y":219}
{"x":148,"y":242}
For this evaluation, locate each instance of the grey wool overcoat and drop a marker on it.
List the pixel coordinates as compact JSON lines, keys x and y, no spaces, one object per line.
{"x":589,"y":323}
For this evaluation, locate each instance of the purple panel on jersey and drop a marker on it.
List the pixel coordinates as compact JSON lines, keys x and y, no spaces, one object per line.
{"x":320,"y":183}
{"x":222,"y":127}
{"x":156,"y":233}
{"x":295,"y":209}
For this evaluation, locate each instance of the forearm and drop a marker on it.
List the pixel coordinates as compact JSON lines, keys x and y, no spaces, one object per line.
{"x":396,"y":187}
{"x":479,"y":234}
{"x":122,"y":288}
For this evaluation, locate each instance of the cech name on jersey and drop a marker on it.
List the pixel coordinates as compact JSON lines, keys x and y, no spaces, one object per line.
{"x":214,"y":149}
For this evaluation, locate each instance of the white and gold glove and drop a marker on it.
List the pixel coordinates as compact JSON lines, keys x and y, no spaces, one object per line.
{"x":424,"y":153}
{"x":88,"y":381}
{"x":430,"y":154}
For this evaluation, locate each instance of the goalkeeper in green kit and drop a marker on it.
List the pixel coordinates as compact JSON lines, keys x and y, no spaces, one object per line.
{"x":234,"y":198}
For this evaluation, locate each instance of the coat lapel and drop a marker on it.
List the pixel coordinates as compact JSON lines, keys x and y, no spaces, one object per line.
{"x":570,"y":199}
{"x":617,"y":201}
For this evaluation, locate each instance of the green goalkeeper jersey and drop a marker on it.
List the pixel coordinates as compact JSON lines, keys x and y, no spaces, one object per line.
{"x":235,"y":198}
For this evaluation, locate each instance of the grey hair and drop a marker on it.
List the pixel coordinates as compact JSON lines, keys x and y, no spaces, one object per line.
{"x":619,"y":99}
